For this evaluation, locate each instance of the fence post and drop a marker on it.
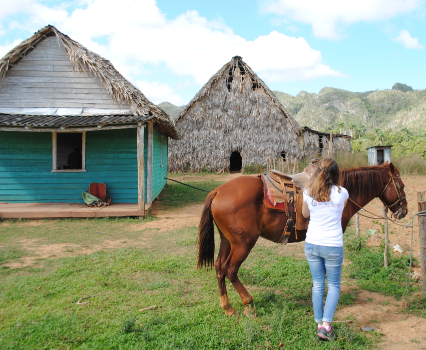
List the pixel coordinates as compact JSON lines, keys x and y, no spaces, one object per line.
{"x":421,"y":206}
{"x":357,"y":225}
{"x":386,"y":232}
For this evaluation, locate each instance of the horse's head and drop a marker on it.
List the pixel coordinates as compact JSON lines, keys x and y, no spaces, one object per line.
{"x":393,"y":195}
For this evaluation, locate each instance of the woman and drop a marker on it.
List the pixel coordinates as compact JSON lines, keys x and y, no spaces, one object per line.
{"x":324,"y":201}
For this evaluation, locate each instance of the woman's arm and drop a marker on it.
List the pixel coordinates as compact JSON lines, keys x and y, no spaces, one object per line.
{"x":305,"y":210}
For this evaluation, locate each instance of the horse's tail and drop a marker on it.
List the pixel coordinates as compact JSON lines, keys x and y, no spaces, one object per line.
{"x":206,"y":234}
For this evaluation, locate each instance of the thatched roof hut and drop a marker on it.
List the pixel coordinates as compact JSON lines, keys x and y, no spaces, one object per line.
{"x":68,"y":118}
{"x":130,"y":100}
{"x":233,"y":121}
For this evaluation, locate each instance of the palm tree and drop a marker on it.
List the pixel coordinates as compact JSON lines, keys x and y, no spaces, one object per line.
{"x":351,"y":127}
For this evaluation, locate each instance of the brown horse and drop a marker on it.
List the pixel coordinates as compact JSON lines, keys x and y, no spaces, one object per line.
{"x":237,"y":209}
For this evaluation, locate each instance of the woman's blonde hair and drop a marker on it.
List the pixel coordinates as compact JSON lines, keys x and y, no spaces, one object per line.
{"x":326,"y":176}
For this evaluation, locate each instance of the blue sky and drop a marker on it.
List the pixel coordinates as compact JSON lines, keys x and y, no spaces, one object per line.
{"x":169,"y":49}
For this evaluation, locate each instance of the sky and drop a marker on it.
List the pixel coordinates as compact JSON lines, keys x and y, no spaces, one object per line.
{"x":170,"y":48}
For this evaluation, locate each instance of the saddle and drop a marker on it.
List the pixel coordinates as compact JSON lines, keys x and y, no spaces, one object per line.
{"x":282,"y":195}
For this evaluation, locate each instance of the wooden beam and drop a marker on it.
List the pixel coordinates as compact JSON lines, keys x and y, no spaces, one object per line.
{"x":54,"y":150}
{"x":141,"y":169}
{"x":83,"y":151}
{"x":150,"y":157}
{"x":421,"y":206}
{"x":69,"y":129}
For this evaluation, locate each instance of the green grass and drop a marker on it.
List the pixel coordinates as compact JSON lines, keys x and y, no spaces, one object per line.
{"x":38,"y":307}
{"x":368,"y":269}
{"x":175,"y":194}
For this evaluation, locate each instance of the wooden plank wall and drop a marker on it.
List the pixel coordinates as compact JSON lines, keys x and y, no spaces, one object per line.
{"x":159,"y":172}
{"x":45,"y":78}
{"x":26,"y":164}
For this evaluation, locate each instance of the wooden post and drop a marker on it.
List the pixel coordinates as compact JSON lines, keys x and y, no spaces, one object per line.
{"x":330,"y":145}
{"x":421,"y":206}
{"x":54,"y":151}
{"x":141,"y":169}
{"x":386,"y":252}
{"x":357,"y":225}
{"x":149,"y":162}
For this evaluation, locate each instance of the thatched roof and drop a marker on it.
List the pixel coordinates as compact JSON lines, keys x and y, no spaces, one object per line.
{"x":237,"y":61}
{"x":84,"y":60}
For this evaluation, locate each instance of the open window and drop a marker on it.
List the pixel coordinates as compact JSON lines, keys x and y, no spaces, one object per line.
{"x":68,"y":151}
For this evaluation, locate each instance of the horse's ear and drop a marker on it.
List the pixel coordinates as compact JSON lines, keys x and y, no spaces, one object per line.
{"x":391,"y":167}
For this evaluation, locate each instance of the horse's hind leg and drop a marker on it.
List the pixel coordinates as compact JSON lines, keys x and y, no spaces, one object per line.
{"x":232,"y":265}
{"x":225,"y":248}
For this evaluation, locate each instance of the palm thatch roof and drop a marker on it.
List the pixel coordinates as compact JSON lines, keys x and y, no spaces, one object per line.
{"x":256,"y":82}
{"x":84,"y":60}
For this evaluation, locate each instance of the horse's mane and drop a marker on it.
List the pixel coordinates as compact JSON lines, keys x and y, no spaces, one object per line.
{"x":365,"y":179}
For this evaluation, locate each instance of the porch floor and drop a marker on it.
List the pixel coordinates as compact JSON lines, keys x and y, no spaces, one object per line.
{"x":66,"y":210}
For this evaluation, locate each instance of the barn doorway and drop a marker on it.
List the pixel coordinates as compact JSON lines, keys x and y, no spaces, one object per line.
{"x":236,"y":162}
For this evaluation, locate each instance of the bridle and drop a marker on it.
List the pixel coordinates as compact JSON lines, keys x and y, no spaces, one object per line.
{"x":397,"y":190}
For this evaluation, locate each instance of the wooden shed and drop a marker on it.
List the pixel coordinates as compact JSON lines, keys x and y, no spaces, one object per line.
{"x":379,"y":154}
{"x":69,"y":118}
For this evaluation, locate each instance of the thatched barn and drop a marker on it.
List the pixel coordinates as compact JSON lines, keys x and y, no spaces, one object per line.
{"x":69,"y":118}
{"x":233,"y":121}
{"x":236,"y":120}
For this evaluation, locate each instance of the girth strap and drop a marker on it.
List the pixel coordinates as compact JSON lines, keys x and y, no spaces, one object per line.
{"x":290,"y":221}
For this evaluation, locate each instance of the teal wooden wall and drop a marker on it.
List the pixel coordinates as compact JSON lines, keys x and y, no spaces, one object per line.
{"x":159,"y":173}
{"x":111,"y":158}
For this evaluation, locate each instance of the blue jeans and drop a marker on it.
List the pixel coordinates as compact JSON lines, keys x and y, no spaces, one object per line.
{"x":322,"y":259}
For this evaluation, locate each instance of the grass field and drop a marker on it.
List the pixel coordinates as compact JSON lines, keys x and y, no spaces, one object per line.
{"x":127,"y":265}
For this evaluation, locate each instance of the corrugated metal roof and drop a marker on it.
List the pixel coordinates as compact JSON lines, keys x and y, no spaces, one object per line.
{"x":58,"y":121}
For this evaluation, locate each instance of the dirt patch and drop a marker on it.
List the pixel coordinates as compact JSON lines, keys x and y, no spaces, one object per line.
{"x":386,"y":315}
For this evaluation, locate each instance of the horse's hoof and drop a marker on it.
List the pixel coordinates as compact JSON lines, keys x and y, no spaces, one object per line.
{"x":250,"y":312}
{"x":230,"y":311}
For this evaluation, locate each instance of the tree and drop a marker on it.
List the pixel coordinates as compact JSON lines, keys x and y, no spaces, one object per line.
{"x":402,"y":87}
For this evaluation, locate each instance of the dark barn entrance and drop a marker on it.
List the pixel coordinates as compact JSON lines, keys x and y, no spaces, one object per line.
{"x":236,"y":162}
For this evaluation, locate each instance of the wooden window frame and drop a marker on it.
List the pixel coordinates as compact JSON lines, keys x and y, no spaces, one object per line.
{"x":55,"y":153}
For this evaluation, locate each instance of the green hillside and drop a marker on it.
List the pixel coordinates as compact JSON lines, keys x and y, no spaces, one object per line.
{"x":350,"y":111}
{"x":170,"y":109}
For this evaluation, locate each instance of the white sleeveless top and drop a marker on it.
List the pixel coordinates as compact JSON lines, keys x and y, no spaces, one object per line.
{"x":325,"y":224}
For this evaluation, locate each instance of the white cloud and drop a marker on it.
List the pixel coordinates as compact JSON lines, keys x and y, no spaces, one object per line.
{"x":408,"y":41}
{"x":4,"y":49}
{"x":158,"y":92}
{"x":140,"y":41}
{"x":325,"y":16}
